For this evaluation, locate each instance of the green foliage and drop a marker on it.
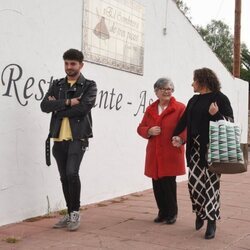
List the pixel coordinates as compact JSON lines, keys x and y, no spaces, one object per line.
{"x":245,"y":57}
{"x":217,"y":35}
{"x":63,"y":211}
{"x":245,"y":64}
{"x":11,"y":240}
{"x":182,"y":6}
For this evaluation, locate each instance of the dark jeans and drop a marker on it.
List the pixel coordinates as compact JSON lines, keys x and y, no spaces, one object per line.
{"x":165,"y":196}
{"x":68,"y":155}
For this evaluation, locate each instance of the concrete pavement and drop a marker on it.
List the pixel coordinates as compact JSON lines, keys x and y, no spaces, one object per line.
{"x":127,"y":223}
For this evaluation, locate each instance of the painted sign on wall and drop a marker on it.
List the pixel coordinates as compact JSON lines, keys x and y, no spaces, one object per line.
{"x":113,"y":34}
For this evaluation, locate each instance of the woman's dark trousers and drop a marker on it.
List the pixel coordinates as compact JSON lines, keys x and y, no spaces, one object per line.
{"x":165,"y":196}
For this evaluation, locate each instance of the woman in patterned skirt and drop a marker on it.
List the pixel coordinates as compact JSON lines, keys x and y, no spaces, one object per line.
{"x":204,"y":186}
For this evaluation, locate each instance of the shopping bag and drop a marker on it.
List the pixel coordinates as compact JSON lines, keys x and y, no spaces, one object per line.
{"x":225,"y":154}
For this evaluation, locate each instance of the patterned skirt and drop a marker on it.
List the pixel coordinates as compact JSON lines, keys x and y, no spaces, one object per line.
{"x":203,"y":186}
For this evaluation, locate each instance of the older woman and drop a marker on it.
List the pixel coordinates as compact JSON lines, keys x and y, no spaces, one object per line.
{"x":204,"y":186}
{"x":163,"y":161}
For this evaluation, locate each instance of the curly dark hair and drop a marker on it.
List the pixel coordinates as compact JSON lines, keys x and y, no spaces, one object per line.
{"x":73,"y":54}
{"x":207,"y":78}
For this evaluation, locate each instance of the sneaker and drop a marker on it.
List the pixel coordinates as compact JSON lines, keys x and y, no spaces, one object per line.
{"x":74,"y":222}
{"x":62,"y":222}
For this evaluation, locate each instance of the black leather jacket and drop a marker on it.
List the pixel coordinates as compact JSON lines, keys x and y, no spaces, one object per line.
{"x":79,"y":115}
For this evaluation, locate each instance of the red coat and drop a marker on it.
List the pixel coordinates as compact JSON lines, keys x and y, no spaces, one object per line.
{"x":162,"y":158}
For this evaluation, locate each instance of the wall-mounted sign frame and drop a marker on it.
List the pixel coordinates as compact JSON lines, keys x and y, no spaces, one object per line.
{"x":113,"y":34}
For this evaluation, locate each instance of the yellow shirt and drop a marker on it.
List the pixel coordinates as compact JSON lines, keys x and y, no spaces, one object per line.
{"x":65,"y":131}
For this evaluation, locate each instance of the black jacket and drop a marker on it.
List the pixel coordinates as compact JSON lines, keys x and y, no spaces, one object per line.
{"x":225,"y":110}
{"x":79,"y":115}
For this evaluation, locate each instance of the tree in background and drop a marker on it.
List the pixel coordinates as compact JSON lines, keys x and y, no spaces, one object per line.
{"x":245,"y":64}
{"x":217,"y":35}
{"x":183,"y":8}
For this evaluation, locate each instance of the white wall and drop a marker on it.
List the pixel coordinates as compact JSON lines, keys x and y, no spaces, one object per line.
{"x":34,"y":35}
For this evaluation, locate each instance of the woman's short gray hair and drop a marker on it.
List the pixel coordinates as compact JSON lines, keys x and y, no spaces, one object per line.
{"x":162,"y":82}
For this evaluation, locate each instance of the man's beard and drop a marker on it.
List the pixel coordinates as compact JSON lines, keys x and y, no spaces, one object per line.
{"x":72,"y":73}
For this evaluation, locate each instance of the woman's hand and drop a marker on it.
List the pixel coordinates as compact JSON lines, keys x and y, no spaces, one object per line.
{"x":213,"y":109}
{"x":177,"y":141}
{"x":156,"y":130}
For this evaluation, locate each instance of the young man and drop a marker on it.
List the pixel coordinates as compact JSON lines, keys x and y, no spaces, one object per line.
{"x":70,"y":101}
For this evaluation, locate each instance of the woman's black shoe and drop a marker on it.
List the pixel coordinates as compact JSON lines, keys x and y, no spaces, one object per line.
{"x":171,"y":220}
{"x":211,"y":227}
{"x":159,"y":219}
{"x":198,"y":223}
